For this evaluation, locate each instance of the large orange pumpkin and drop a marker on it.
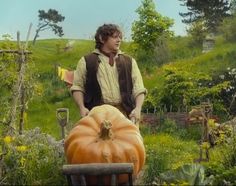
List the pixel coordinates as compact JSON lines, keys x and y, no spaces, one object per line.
{"x":105,"y":135}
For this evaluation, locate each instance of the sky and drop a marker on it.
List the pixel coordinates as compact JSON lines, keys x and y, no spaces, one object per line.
{"x":82,"y":17}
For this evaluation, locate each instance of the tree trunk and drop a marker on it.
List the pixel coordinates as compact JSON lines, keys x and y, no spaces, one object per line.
{"x":36,"y":36}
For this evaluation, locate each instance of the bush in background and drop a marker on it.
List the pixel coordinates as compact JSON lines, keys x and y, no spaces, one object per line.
{"x":33,"y":158}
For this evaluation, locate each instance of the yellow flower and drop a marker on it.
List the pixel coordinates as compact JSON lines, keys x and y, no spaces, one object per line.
{"x":21,"y":148}
{"x":22,"y":161}
{"x":63,"y":72}
{"x":8,"y":139}
{"x":59,"y":71}
{"x":205,"y":145}
{"x":211,"y":123}
{"x":184,"y":183}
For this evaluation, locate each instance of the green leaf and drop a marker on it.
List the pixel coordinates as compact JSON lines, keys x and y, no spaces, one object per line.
{"x":193,"y":174}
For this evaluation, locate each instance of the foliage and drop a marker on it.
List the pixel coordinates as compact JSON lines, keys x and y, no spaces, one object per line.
{"x":219,"y":133}
{"x":156,"y":164}
{"x":185,"y":88}
{"x":162,"y":50}
{"x":10,"y":75}
{"x":223,"y":163}
{"x":49,"y":20}
{"x":189,"y":174}
{"x":198,"y":32}
{"x":211,"y":11}
{"x":228,"y":28}
{"x":228,"y":93}
{"x":150,"y":26}
{"x":33,"y":158}
{"x":169,"y":159}
{"x":233,"y":7}
{"x":165,"y":152}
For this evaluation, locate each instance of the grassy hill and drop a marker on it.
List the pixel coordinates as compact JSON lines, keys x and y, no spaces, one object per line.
{"x":54,"y":93}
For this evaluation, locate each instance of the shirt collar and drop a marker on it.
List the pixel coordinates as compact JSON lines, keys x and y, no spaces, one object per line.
{"x":96,"y":51}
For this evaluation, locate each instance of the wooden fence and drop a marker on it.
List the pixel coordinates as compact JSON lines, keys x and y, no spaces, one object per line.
{"x":154,"y":119}
{"x":181,"y":117}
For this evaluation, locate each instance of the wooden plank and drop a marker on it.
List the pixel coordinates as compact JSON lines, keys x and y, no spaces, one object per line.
{"x":100,"y":180}
{"x":98,"y":168}
{"x":82,"y":180}
{"x":113,"y":180}
{"x":130,"y":180}
{"x":69,"y":180}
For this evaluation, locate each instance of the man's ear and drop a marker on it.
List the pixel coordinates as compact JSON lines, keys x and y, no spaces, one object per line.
{"x":100,"y":38}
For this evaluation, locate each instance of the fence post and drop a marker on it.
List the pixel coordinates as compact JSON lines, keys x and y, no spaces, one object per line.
{"x":155,"y":109}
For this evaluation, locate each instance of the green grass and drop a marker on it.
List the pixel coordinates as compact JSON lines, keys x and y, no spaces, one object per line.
{"x":165,"y":152}
{"x":43,"y":114}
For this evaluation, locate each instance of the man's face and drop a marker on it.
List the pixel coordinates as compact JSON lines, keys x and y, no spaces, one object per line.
{"x":113,"y":42}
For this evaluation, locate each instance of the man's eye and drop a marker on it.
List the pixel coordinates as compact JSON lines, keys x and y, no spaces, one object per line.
{"x":115,"y":37}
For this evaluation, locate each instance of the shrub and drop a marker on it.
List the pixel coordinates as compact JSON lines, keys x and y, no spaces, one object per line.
{"x":33,"y":158}
{"x":223,"y":165}
{"x":228,"y":28}
{"x":165,"y":152}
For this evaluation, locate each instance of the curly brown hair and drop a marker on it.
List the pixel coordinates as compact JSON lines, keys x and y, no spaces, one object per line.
{"x":104,"y":32}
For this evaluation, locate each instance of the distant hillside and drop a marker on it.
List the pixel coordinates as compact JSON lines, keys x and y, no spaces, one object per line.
{"x":213,"y":63}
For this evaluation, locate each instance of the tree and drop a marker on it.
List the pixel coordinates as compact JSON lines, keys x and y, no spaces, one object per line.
{"x":198,"y":32}
{"x":212,"y":11}
{"x":228,"y":28}
{"x":233,"y":7}
{"x":49,"y":20}
{"x":150,"y":26}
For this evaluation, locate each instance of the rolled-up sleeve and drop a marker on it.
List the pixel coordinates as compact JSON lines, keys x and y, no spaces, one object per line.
{"x":79,"y":77}
{"x":138,"y":87}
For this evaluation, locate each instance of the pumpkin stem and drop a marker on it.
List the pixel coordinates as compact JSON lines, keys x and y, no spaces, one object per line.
{"x":105,"y":133}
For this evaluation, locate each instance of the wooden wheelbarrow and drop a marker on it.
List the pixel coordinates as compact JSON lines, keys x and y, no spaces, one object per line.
{"x":100,"y":170}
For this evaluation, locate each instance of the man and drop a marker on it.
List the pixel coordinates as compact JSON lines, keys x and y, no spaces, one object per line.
{"x":108,"y":76}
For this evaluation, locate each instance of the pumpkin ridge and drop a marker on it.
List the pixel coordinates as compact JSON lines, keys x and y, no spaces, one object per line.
{"x":135,"y":141}
{"x":74,"y":146}
{"x":132,"y":154}
{"x":136,"y":144}
{"x":89,"y":122}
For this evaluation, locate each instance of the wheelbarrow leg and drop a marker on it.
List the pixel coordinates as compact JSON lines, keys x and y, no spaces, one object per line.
{"x":68,"y":177}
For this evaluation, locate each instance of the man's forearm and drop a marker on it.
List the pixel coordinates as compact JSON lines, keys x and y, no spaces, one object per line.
{"x":136,"y":112}
{"x":79,"y":99}
{"x":139,"y":101}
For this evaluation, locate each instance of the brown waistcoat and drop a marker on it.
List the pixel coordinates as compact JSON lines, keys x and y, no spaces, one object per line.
{"x":93,"y":94}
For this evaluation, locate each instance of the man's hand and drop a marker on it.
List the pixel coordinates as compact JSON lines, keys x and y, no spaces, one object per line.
{"x":84,"y":111}
{"x":135,"y":115}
